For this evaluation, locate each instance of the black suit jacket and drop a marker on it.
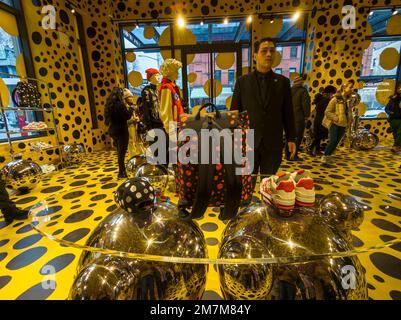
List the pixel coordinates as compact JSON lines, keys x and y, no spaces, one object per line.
{"x":269,"y":120}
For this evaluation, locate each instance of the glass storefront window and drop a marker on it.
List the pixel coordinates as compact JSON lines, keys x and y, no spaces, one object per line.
{"x":10,"y":50}
{"x":372,"y":73}
{"x":290,"y":62}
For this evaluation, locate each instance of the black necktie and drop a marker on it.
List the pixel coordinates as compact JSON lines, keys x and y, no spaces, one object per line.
{"x":263,"y":87}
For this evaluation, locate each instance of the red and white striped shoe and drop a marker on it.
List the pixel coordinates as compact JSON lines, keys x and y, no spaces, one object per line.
{"x":279,"y":190}
{"x":304,"y":188}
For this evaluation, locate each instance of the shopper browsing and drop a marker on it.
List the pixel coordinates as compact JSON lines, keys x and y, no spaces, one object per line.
{"x":336,"y":118}
{"x":393,"y":110}
{"x":302,"y":105}
{"x":135,"y":146}
{"x":319,"y":132}
{"x":8,"y":208}
{"x":116,"y":116}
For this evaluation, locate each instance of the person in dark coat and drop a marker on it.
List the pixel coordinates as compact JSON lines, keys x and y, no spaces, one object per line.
{"x":302,"y":104}
{"x":266,"y":96}
{"x":8,"y":208}
{"x":393,"y":110}
{"x":116,"y":116}
{"x":319,"y":131}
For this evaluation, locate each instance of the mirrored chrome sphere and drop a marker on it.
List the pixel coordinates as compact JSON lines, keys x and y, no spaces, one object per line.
{"x":73,"y":153}
{"x":157,"y":175}
{"x":159,"y":232}
{"x":341,"y":211}
{"x":262,"y":231}
{"x":134,"y":163}
{"x":363,"y":139}
{"x":22,"y":175}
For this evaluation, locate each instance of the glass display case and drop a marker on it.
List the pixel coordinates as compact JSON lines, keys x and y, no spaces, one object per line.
{"x":136,"y":246}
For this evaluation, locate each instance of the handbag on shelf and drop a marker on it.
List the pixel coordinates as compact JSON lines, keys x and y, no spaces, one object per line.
{"x":213,"y":185}
{"x":26,"y":95}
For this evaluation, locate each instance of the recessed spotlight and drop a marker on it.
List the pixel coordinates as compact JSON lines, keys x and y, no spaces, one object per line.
{"x":225,"y":21}
{"x":181,"y":22}
{"x":296,"y":16}
{"x":394,"y":12}
{"x":371,"y":13}
{"x":249,"y":20}
{"x":201,"y":23}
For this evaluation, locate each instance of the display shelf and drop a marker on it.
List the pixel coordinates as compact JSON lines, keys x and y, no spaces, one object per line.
{"x":26,"y":109}
{"x":27,"y":131}
{"x":52,"y":130}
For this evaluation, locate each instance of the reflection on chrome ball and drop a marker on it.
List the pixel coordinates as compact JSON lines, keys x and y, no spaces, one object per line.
{"x":341,"y":210}
{"x":258,"y":231}
{"x":243,"y":281}
{"x":160,"y":232}
{"x":134,"y":163}
{"x":157,"y":175}
{"x":363,"y":139}
{"x":22,"y":175}
{"x":73,"y":153}
{"x":171,"y":185}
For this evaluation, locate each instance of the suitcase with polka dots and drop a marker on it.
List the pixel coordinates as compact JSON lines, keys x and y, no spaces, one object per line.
{"x":213,"y":185}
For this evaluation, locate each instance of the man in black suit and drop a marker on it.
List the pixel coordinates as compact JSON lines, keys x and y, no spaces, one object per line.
{"x":266,"y":96}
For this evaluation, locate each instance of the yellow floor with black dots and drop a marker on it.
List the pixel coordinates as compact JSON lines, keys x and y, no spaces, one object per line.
{"x":24,"y":252}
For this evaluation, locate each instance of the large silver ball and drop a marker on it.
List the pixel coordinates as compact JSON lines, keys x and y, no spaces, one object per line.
{"x":22,"y":175}
{"x":245,"y":281}
{"x":106,"y":278}
{"x":363,"y":139}
{"x":73,"y":153}
{"x":157,"y":175}
{"x":134,"y":163}
{"x":341,"y":211}
{"x":293,"y":244}
{"x":162,"y":233}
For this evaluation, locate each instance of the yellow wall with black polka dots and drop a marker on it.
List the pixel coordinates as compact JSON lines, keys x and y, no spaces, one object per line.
{"x":333,"y":54}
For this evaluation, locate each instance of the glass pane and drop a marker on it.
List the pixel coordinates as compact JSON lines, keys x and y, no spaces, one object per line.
{"x":9,"y":51}
{"x":368,"y":96}
{"x":200,"y":67}
{"x":201,"y":32}
{"x":8,"y":2}
{"x":135,"y":37}
{"x":290,"y":30}
{"x":291,"y":57}
{"x":378,"y":21}
{"x":371,"y":58}
{"x":224,"y":76}
{"x":144,"y":60}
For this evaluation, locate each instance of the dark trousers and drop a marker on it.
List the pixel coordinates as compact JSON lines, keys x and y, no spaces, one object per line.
{"x":299,"y":131}
{"x":335,"y":135}
{"x":5,"y":202}
{"x":121,"y":141}
{"x":315,"y":145}
{"x":395,"y":125}
{"x":267,"y":161}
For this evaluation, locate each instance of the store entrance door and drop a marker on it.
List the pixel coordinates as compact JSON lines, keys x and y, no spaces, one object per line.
{"x":209,"y":74}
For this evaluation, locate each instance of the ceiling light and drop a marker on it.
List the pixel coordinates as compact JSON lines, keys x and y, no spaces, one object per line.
{"x":225,"y":20}
{"x":296,"y":16}
{"x":181,"y":22}
{"x":201,"y":23}
{"x":394,"y":11}
{"x":271,"y":20}
{"x":72,"y":10}
{"x":371,"y":13}
{"x":249,"y":20}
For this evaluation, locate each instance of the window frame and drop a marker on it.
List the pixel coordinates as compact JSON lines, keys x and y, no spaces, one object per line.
{"x":23,"y":41}
{"x":397,"y":76}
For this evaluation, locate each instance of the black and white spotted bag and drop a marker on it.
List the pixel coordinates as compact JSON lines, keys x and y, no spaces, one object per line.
{"x":26,"y":95}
